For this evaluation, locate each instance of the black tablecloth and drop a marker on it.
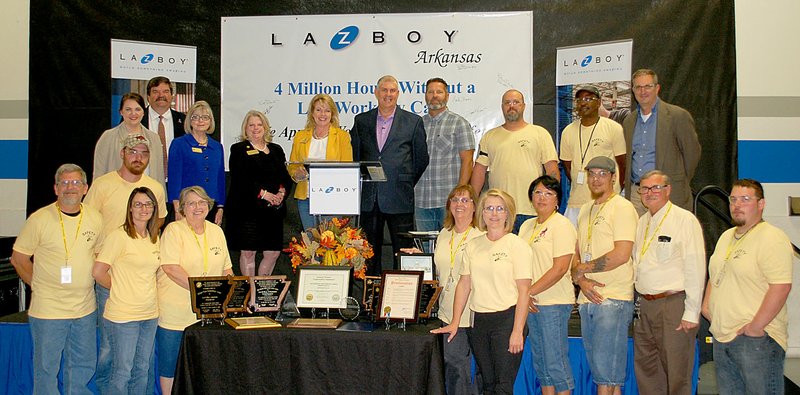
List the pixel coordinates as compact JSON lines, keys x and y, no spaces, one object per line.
{"x":218,"y":359}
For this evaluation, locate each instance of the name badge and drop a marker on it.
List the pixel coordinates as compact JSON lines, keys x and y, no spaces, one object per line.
{"x":197,"y":150}
{"x":581,"y":178}
{"x":66,"y":275}
{"x":587,"y":257}
{"x":252,"y":152}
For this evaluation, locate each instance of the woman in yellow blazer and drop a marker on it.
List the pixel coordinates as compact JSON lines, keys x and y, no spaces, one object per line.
{"x":322,"y":139}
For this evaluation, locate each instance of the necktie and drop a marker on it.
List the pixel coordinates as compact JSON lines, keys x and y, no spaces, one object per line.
{"x":162,"y":134}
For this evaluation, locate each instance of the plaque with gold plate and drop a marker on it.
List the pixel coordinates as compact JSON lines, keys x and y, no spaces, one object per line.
{"x":208,"y":297}
{"x":268,"y":292}
{"x":238,"y":295}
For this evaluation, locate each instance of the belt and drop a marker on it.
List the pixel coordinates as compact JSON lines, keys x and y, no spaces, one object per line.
{"x":662,"y":295}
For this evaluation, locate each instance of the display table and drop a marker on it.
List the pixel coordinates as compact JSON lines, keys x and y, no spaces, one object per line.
{"x":218,"y":359}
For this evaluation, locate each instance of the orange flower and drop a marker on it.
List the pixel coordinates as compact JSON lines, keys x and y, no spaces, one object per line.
{"x":327,"y":239}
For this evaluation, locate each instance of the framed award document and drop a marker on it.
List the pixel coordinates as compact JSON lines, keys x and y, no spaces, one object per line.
{"x":325,"y":287}
{"x":400,"y":295}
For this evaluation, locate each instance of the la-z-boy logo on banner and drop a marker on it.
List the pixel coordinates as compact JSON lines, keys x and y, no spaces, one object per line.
{"x":593,"y":63}
{"x":347,"y":36}
{"x":137,"y":60}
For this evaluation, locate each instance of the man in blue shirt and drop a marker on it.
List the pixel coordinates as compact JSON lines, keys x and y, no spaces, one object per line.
{"x":660,"y":136}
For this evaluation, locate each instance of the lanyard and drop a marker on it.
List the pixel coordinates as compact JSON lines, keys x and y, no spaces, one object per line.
{"x":536,"y":224}
{"x":204,"y":248}
{"x":591,"y":221}
{"x":588,"y":143}
{"x":647,"y":243}
{"x":64,"y":232}
{"x":454,"y":251}
{"x":735,"y":242}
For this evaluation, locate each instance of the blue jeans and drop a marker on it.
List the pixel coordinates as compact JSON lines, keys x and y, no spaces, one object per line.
{"x":427,"y":219}
{"x":131,"y":347}
{"x":521,"y":218}
{"x":103,"y":376}
{"x":303,"y":207}
{"x":749,"y":365}
{"x":169,"y":346}
{"x":605,"y":337}
{"x":76,"y":339}
{"x":550,"y":347}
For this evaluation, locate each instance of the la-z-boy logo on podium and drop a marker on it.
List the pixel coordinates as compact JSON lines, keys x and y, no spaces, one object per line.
{"x":332,"y":189}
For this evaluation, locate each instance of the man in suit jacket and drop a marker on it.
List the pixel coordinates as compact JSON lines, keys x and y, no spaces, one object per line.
{"x":659,"y":136}
{"x":159,"y":108}
{"x":396,"y":138}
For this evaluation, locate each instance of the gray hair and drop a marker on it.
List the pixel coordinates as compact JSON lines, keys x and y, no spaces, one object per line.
{"x":70,"y":168}
{"x":197,"y":190}
{"x":652,"y":173}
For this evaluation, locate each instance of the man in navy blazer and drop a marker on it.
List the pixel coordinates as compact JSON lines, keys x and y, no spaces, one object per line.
{"x":159,"y":103}
{"x":396,"y":138}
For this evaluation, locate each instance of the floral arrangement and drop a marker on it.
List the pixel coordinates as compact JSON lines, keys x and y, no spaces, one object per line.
{"x":332,"y":243}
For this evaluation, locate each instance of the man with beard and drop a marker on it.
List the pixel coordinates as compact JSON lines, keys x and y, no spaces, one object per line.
{"x":515,"y":152}
{"x":603,"y":269}
{"x":62,"y":314}
{"x":396,"y":138}
{"x":589,"y":136}
{"x":109,"y":195}
{"x":451,"y":145}
{"x":750,"y":276}
{"x":669,"y":268}
{"x":167,"y":122}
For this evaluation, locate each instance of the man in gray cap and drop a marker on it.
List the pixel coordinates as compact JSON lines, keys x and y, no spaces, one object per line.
{"x":587,"y":137}
{"x":604,"y":271}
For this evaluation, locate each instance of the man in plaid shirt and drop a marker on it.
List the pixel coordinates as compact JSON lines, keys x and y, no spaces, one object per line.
{"x":451,"y":145}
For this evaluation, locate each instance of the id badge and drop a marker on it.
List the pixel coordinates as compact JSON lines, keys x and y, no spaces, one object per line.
{"x":581,"y":179}
{"x":66,"y":275}
{"x":449,"y":282}
{"x":587,"y":256}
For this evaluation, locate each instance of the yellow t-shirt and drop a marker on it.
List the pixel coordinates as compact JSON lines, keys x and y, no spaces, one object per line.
{"x":762,"y":257}
{"x":43,"y":237}
{"x":606,"y":140}
{"x":109,"y":195}
{"x":614,"y":221}
{"x":515,"y":159}
{"x":179,"y":246}
{"x":449,"y":260}
{"x":134,"y":264}
{"x":554,"y":238}
{"x":494,"y":267}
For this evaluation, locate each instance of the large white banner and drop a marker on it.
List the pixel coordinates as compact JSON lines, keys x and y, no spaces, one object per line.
{"x":138,"y":60}
{"x":276,"y":64}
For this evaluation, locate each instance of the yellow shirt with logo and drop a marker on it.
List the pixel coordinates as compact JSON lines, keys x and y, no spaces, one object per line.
{"x":554,"y":238}
{"x":451,"y":244}
{"x":44,"y":238}
{"x":739,"y":283}
{"x":134,"y":264}
{"x":494,"y":267}
{"x":515,"y":159}
{"x":613,"y":221}
{"x":180,"y":246}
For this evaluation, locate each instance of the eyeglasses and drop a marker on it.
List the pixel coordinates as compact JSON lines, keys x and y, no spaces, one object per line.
{"x":646,"y":87}
{"x":599,"y":174}
{"x":66,"y":183}
{"x":546,"y":194}
{"x":742,"y":199}
{"x":512,"y":102}
{"x":145,"y":204}
{"x":654,"y":189}
{"x":586,"y":99}
{"x":196,"y":204}
{"x":132,"y":151}
{"x":495,"y":209}
{"x":463,"y":200}
{"x":200,"y":118}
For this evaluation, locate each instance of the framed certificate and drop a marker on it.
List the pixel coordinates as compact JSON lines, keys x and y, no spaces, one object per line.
{"x":323,"y":287}
{"x":400,"y":295}
{"x":421,"y":262}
